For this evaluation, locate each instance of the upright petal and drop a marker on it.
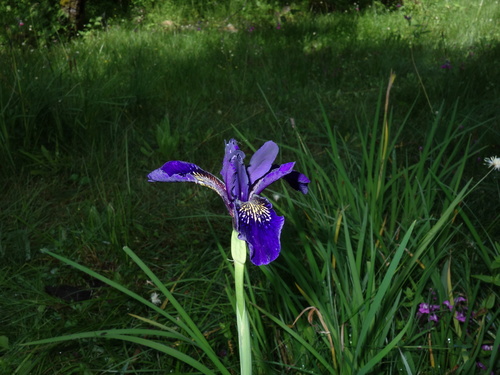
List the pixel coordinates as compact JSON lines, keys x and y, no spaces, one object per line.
{"x":262,"y":161}
{"x":234,"y":173}
{"x":228,"y":170}
{"x":235,"y":176}
{"x":181,"y":171}
{"x":260,"y":227}
{"x":242,"y":184}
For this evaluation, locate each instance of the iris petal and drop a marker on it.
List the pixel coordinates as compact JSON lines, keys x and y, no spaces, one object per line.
{"x":260,"y":227}
{"x":234,"y":173}
{"x":262,"y":161}
{"x":273,"y":175}
{"x":228,"y":171}
{"x":298,"y":181}
{"x":181,"y":171}
{"x":241,"y":184}
{"x":174,"y":171}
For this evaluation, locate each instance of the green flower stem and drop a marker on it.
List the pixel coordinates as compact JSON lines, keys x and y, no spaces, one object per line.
{"x":239,"y":254}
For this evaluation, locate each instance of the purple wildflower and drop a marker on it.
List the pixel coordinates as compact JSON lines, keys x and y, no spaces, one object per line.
{"x":482,"y":366}
{"x":457,"y":301}
{"x":427,"y":309}
{"x":460,"y":316}
{"x":433,"y":318}
{"x":446,"y":65}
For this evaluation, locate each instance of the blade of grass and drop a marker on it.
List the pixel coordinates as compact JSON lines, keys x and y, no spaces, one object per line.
{"x":387,"y":348}
{"x":196,"y":333}
{"x":106,"y":333}
{"x":190,"y":327}
{"x":300,"y":339}
{"x":383,"y":290}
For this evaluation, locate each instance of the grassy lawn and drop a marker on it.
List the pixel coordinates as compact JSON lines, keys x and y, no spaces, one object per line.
{"x":390,"y":264}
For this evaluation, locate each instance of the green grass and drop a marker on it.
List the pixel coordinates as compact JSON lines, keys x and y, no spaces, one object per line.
{"x":393,"y":219}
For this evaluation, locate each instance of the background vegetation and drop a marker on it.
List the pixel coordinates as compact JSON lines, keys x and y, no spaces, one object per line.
{"x":394,"y":218}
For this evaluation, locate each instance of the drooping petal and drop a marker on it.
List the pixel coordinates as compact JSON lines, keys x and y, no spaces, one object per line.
{"x":260,"y":227}
{"x":181,"y":171}
{"x":262,"y":161}
{"x":273,"y":175}
{"x":298,"y":181}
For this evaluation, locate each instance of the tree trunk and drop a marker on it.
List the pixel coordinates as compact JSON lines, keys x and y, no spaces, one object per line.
{"x":74,"y":10}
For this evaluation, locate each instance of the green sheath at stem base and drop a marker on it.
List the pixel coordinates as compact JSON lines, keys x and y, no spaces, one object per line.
{"x":239,"y":254}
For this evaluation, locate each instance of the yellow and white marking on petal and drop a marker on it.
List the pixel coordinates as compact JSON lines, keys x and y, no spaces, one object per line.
{"x":207,"y":180}
{"x":254,"y":211}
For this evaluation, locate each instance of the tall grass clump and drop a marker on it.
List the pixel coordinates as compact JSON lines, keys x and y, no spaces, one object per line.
{"x":385,"y":233}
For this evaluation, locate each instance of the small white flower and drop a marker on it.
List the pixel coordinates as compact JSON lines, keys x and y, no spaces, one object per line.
{"x":493,"y":162}
{"x":155,"y":298}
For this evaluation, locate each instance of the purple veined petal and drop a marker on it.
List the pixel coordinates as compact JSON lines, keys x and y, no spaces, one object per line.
{"x":234,"y":173}
{"x":273,"y":175}
{"x":174,"y":171}
{"x":242,"y":184}
{"x":236,"y":177}
{"x":260,"y":227}
{"x":228,"y":170}
{"x":181,"y":171}
{"x":262,"y":161}
{"x":231,"y":146}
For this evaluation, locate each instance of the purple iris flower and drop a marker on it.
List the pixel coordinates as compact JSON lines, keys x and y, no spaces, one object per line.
{"x":253,"y":216}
